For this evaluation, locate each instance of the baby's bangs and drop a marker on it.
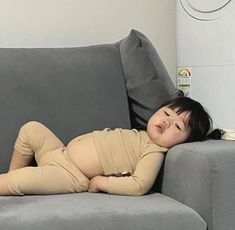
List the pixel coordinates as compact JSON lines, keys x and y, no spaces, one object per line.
{"x":180,"y":107}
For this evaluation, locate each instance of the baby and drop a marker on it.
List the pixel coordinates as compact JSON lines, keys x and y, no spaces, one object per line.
{"x":119,"y":161}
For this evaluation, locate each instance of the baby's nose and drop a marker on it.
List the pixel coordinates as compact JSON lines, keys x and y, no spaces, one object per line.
{"x":166,"y":123}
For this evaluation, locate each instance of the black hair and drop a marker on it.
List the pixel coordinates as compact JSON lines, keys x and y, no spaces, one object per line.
{"x":199,"y":122}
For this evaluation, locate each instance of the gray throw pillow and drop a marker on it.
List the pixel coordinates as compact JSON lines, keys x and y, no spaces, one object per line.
{"x":147,"y":81}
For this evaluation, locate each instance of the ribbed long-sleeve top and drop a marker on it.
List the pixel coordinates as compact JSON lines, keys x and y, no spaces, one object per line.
{"x":130,"y":159}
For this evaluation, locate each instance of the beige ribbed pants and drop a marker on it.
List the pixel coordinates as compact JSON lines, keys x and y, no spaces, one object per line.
{"x":55,"y":172}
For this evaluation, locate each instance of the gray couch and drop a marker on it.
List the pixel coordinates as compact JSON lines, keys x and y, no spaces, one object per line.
{"x":77,"y":90}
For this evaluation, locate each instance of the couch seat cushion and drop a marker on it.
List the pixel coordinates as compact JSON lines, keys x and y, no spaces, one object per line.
{"x":86,"y":211}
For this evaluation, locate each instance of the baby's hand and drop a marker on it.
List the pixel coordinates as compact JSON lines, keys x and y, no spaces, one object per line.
{"x":98,"y":183}
{"x":93,"y":186}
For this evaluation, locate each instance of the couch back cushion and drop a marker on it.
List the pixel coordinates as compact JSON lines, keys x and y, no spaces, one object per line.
{"x":147,"y":80}
{"x":70,"y":90}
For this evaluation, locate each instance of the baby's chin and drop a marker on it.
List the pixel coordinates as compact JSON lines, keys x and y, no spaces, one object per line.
{"x":156,"y":139}
{"x":162,"y":143}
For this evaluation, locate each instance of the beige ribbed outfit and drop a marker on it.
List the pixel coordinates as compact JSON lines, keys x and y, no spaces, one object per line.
{"x":128,"y":157}
{"x":128,"y":152}
{"x":55,"y":173}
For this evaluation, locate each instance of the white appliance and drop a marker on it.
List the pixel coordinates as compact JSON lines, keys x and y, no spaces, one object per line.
{"x":206,"y":47}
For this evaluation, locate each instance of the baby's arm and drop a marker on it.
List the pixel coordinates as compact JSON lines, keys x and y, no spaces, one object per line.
{"x":98,"y":184}
{"x":143,"y":178}
{"x":139,"y":183}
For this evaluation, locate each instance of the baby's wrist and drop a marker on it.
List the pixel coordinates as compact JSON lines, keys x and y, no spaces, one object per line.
{"x":102,"y":183}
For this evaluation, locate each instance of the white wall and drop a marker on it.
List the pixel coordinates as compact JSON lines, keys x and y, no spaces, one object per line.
{"x":207,"y":47}
{"x":60,"y":23}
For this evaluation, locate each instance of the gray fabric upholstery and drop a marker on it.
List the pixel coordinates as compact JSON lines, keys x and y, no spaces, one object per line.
{"x":71,"y":90}
{"x":86,"y":211}
{"x":76,"y":90}
{"x":202,"y":176}
{"x":147,"y":80}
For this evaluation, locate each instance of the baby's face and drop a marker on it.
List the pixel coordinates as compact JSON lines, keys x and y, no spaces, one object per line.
{"x":167,"y":128}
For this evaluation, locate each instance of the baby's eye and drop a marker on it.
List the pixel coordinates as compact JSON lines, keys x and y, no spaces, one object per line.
{"x":177,"y":126}
{"x":167,"y":113}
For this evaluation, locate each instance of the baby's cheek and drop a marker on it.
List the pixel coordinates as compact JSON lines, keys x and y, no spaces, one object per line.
{"x":167,"y":141}
{"x":173,"y":140}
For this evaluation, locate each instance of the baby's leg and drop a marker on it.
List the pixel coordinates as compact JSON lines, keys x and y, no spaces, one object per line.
{"x":49,"y":179}
{"x":4,"y":191}
{"x":34,"y":139}
{"x":19,"y":160}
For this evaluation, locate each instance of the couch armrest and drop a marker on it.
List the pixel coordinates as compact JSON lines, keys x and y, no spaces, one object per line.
{"x":202,"y":176}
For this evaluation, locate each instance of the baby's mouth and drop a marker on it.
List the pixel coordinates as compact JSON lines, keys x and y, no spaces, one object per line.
{"x":160,"y":128}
